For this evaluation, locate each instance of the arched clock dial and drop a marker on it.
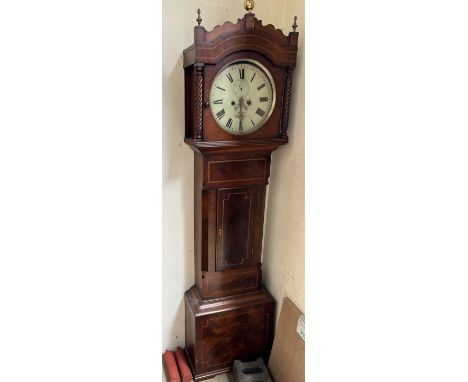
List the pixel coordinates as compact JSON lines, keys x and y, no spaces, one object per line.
{"x":242,"y":97}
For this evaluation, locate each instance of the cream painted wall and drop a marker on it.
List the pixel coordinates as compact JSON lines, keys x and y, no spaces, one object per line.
{"x":283,"y":268}
{"x":283,"y":250}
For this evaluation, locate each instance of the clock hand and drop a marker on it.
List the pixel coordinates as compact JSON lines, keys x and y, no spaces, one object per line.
{"x":241,"y":113}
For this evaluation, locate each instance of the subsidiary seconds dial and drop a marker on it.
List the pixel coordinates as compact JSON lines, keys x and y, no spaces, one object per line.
{"x":242,"y":97}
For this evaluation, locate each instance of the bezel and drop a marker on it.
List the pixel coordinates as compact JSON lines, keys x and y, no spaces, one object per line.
{"x":272,"y":85}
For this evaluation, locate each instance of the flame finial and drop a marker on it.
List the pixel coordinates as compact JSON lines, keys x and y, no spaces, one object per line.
{"x":198,"y":19}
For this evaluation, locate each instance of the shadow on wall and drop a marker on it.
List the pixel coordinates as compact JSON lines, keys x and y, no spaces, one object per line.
{"x":178,"y":258}
{"x":178,"y":159}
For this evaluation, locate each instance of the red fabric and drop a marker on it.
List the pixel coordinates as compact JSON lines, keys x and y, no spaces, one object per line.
{"x":171,"y":366}
{"x":184,"y":368}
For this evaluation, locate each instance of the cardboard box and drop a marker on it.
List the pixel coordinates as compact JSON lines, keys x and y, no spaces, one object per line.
{"x":287,"y":360}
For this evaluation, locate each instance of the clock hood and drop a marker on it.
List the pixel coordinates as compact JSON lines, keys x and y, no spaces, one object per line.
{"x":248,"y":34}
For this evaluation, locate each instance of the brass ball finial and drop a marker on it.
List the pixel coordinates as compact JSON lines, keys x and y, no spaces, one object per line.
{"x":294,"y":26}
{"x":249,"y":5}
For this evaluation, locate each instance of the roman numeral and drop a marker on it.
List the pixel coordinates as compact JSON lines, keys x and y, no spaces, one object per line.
{"x":240,"y":126}
{"x":229,"y":123}
{"x":253,"y":123}
{"x":218,"y":102}
{"x":263,"y":99}
{"x":241,"y":74}
{"x":229,"y":77}
{"x":260,"y":112}
{"x":261,"y":87}
{"x":220,"y":88}
{"x":220,"y":114}
{"x":253,"y":76}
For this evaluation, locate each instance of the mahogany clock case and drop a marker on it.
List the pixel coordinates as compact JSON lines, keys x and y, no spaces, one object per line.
{"x":228,"y":313}
{"x":211,"y":130}
{"x":219,"y":331}
{"x":231,"y":171}
{"x":229,"y":208}
{"x":212,"y":50}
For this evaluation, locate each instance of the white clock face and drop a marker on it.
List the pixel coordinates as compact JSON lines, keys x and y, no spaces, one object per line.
{"x":242,"y":97}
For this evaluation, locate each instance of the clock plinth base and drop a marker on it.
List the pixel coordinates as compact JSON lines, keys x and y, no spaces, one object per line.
{"x":221,"y":330}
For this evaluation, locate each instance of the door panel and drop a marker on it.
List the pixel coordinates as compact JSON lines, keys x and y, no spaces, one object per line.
{"x":236,"y":217}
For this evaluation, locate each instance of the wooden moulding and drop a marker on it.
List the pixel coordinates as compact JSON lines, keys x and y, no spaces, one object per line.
{"x":248,"y":33}
{"x":236,"y":146}
{"x":230,"y":282}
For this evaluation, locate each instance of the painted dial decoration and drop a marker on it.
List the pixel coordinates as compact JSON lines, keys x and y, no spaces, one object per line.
{"x":242,"y":97}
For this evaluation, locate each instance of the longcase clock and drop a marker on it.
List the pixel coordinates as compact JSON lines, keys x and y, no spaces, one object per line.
{"x":238,"y":80}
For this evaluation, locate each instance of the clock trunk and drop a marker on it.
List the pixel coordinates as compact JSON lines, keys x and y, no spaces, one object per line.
{"x":229,"y":207}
